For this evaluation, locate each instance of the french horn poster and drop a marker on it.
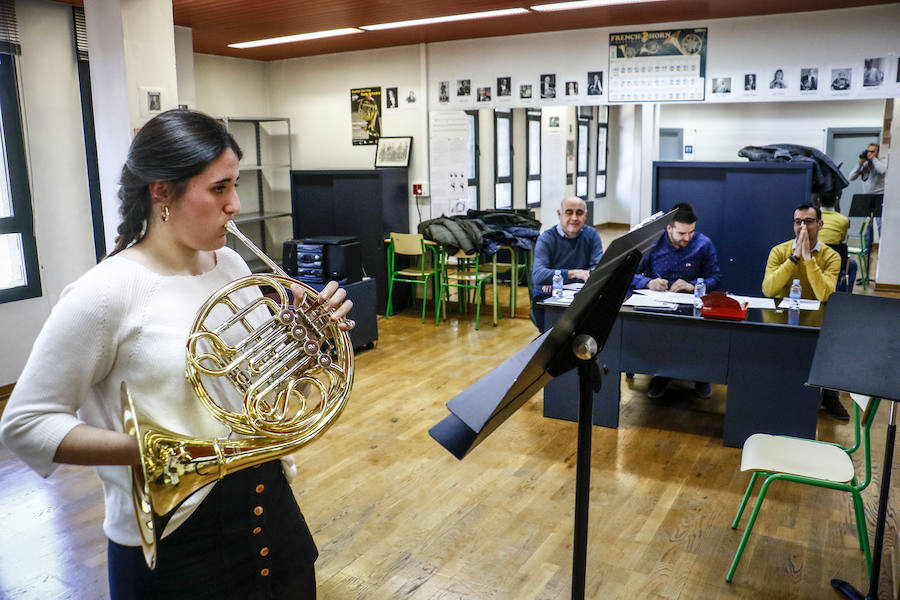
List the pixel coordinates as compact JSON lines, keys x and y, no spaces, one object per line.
{"x":658,"y":66}
{"x":365,"y":115}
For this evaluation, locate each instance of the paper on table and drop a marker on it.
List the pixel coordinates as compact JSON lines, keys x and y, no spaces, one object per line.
{"x":754,"y":301}
{"x":804,"y":304}
{"x":564,"y":301}
{"x":677,"y":297}
{"x":575,"y":285}
{"x":646,"y":301}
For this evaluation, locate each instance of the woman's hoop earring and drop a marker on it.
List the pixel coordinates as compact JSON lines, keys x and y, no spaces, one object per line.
{"x":165,"y":213}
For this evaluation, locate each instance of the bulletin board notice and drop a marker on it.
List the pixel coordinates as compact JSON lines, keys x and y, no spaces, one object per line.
{"x":657,"y":66}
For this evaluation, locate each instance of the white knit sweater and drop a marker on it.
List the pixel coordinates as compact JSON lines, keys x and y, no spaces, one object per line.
{"x":118,"y":322}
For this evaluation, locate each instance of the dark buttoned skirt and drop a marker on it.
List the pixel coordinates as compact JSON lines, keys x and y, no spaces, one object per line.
{"x":247,"y":540}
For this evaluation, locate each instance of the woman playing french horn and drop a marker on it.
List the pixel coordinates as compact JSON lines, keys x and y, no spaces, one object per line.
{"x":128,"y":319}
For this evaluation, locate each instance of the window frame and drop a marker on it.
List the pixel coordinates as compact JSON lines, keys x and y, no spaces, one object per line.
{"x":532,"y":116}
{"x":473,"y":182}
{"x":585,"y":124}
{"x":602,"y":126}
{"x":503,"y":115}
{"x":22,"y":220}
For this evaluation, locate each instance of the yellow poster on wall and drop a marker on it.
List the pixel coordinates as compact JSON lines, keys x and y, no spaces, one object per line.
{"x":365,"y":115}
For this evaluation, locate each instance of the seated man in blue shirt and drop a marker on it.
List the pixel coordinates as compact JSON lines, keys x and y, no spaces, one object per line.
{"x":679,"y":257}
{"x":570,"y":247}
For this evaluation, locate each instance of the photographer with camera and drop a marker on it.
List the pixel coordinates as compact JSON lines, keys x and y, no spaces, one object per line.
{"x":870,"y":170}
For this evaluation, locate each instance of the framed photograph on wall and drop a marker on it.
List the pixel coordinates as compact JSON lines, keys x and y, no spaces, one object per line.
{"x":392,"y":152}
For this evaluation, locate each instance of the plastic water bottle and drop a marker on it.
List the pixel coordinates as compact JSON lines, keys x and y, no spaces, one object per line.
{"x":795,"y":295}
{"x":557,"y":283}
{"x":699,"y":292}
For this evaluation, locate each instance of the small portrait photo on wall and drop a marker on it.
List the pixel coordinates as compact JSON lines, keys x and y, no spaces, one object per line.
{"x":484,"y":94}
{"x":595,"y":83}
{"x":778,"y":82}
{"x":548,"y":85}
{"x":391,"y":98}
{"x":571,"y":88}
{"x":504,"y":86}
{"x":873,"y":72}
{"x":154,"y":101}
{"x":841,"y":79}
{"x":809,"y":79}
{"x":444,"y":92}
{"x":721,"y":85}
{"x":525,"y":91}
{"x":750,"y":82}
{"x":463,"y":87}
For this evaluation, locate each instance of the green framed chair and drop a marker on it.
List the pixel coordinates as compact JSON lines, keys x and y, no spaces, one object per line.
{"x":420,"y":273}
{"x":465,"y":274}
{"x":862,"y":252}
{"x":519,"y":262}
{"x":813,"y":462}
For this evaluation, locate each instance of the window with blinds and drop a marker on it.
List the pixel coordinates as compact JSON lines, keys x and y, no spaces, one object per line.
{"x":19,"y":275}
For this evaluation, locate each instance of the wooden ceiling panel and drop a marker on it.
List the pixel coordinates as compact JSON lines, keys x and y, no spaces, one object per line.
{"x":217,"y":23}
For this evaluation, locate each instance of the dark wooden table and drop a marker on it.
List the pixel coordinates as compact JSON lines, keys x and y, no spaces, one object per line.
{"x":764,"y":361}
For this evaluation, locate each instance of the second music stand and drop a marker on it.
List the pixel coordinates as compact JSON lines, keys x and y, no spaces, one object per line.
{"x":872,"y":372}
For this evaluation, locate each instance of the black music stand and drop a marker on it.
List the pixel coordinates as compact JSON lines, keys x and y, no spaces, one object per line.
{"x":866,"y":205}
{"x":868,"y":318}
{"x":576,"y":339}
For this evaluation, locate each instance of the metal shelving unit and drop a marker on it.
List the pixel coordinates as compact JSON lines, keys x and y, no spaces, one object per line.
{"x":264,"y":185}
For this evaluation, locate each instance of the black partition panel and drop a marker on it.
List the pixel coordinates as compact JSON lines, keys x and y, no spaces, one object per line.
{"x":367,"y":205}
{"x":745,"y":208}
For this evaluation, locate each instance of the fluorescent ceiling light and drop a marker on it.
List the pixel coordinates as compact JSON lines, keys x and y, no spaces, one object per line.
{"x":431,"y":20}
{"x":584,"y":4}
{"x":300,"y":37}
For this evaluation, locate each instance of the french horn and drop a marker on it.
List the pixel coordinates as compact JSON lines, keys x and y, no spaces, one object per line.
{"x":288,"y":366}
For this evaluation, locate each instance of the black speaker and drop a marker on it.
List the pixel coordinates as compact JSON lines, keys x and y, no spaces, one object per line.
{"x":321,"y":259}
{"x":342,"y":257}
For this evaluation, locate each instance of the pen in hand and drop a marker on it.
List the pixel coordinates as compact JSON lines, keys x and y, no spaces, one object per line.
{"x":658,"y":283}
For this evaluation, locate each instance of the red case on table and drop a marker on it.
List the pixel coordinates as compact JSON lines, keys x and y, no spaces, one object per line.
{"x":716,"y":305}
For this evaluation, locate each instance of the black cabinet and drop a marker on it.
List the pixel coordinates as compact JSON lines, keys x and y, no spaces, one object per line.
{"x":367,"y":205}
{"x":745,"y":208}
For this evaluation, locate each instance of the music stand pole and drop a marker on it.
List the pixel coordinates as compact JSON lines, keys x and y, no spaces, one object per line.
{"x":584,"y":347}
{"x":841,"y":585}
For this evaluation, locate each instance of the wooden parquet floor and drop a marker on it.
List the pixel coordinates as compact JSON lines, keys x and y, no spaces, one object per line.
{"x":395,"y":516}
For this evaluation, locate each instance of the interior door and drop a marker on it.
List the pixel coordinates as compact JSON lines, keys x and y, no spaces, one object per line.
{"x":844,"y":146}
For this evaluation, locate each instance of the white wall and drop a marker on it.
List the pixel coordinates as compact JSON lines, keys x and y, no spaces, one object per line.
{"x":718,"y":131}
{"x":232,"y":87}
{"x":58,"y":177}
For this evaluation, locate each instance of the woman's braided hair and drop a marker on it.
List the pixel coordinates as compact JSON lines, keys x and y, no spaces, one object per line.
{"x":173,"y":146}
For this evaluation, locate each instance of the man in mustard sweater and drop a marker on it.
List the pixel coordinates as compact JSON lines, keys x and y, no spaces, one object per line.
{"x":804,"y":258}
{"x":816,"y":266}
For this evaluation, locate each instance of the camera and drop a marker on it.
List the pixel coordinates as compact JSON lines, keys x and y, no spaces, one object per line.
{"x":864,"y":154}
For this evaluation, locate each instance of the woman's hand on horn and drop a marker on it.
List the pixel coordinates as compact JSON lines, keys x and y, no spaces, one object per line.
{"x":334,"y":298}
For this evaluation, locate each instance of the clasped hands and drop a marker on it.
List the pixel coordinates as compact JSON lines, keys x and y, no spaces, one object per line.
{"x":661,"y":285}
{"x":802,"y":248}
